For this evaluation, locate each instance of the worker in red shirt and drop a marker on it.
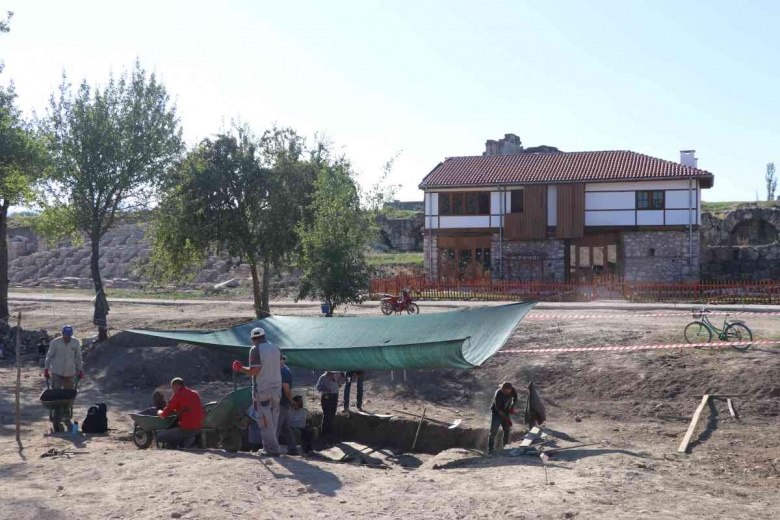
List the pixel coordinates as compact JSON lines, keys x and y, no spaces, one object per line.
{"x":186,"y":404}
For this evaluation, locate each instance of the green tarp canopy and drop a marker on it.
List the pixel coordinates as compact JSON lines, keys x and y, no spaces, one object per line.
{"x":456,"y":339}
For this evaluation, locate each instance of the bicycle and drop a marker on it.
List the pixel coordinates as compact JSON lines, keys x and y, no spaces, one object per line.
{"x":701,"y":331}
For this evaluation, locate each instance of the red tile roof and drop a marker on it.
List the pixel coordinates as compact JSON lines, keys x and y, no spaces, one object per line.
{"x":557,"y":167}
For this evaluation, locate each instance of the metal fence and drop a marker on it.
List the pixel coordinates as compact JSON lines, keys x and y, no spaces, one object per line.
{"x":764,"y":292}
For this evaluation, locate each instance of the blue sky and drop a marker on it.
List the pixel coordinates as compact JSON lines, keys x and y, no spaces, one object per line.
{"x":432,"y":79}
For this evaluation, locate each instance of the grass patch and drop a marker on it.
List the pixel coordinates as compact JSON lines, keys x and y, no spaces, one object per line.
{"x":376,"y":259}
{"x":721,"y":207}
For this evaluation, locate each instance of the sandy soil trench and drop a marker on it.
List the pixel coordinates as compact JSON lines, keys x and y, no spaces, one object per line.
{"x":635,"y":404}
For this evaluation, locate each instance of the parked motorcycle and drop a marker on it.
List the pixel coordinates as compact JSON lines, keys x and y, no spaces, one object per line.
{"x":390,"y":304}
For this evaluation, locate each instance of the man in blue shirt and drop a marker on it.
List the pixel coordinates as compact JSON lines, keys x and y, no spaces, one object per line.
{"x":285,"y":429}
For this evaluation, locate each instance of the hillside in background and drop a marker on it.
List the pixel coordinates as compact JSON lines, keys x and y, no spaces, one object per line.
{"x":124,"y":249}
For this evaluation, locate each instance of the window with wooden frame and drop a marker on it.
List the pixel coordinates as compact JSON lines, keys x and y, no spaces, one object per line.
{"x":516,"y":205}
{"x":464,"y":203}
{"x":650,"y":199}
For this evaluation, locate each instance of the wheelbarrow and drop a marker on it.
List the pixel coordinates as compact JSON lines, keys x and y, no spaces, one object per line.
{"x":222,"y":423}
{"x":59,"y":402}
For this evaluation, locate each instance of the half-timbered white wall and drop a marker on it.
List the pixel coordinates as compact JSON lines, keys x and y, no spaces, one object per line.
{"x":435,"y":221}
{"x":606,"y":204}
{"x":614,"y":204}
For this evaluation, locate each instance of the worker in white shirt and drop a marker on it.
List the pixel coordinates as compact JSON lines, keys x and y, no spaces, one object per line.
{"x":63,"y":362}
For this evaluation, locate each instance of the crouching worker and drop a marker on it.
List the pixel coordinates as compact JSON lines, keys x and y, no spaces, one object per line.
{"x":503,"y":406}
{"x":301,"y":423}
{"x":158,"y":403}
{"x":186,"y":403}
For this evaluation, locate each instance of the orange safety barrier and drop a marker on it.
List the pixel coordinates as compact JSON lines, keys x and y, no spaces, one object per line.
{"x":763,"y":292}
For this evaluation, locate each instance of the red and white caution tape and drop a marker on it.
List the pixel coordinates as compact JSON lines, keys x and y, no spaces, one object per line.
{"x":640,"y":347}
{"x":623,"y":316}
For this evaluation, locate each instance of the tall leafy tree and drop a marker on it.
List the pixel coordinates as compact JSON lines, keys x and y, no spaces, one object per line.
{"x":111,"y":147}
{"x":21,"y":160}
{"x":771,"y":181}
{"x":5,"y":24}
{"x":235,"y":194}
{"x":333,"y":244}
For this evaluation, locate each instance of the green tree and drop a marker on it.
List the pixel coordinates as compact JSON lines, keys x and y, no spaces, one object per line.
{"x":21,"y":160}
{"x":235,"y":194}
{"x":333,"y":244}
{"x":5,"y":24}
{"x":111,"y":147}
{"x":771,"y":181}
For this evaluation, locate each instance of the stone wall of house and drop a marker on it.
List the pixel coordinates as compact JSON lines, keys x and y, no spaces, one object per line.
{"x":431,"y":256}
{"x":529,"y":260}
{"x":660,"y":256}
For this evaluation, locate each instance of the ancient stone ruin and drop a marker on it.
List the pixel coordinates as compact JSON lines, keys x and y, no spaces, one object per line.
{"x":741,"y":244}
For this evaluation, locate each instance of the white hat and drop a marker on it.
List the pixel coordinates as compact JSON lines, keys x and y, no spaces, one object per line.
{"x":257,"y":332}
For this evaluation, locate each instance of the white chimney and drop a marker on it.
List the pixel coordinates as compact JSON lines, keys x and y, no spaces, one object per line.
{"x":688,"y":158}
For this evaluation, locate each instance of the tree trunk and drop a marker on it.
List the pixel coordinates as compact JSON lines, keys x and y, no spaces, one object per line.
{"x":4,"y":314}
{"x":256,"y":295}
{"x":266,"y":295}
{"x":330,"y":308}
{"x":100,"y":317}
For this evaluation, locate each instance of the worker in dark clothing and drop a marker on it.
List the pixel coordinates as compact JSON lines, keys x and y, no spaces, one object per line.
{"x":355,"y":376}
{"x":328,"y":387}
{"x":503,"y":406}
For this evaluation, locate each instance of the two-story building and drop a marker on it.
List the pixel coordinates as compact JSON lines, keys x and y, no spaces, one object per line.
{"x":564,"y":216}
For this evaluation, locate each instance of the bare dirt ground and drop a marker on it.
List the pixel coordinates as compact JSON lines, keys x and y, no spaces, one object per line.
{"x":636,"y":405}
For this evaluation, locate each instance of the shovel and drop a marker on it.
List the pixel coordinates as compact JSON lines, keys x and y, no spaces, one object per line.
{"x":453,"y":424}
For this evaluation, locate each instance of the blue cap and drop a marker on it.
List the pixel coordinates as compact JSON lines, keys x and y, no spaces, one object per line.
{"x":67,"y":330}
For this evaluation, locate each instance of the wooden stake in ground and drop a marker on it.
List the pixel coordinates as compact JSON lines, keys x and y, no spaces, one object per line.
{"x":692,"y":427}
{"x":18,"y":378}
{"x":732,"y":411}
{"x":422,"y":418}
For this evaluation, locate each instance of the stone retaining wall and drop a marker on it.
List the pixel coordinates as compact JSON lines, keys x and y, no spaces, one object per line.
{"x":741,"y":245}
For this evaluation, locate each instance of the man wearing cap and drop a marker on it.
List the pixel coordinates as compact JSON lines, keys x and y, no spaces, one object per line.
{"x":266,"y":372}
{"x":63,"y":360}
{"x":502,"y":407}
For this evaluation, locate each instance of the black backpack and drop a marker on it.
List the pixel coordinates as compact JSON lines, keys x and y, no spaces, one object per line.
{"x":97,"y":419}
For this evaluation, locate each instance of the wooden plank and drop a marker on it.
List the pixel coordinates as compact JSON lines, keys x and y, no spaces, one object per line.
{"x":571,"y":210}
{"x":531,"y":436}
{"x":732,"y":410}
{"x":692,"y":427}
{"x":723,"y":396}
{"x":531,"y":224}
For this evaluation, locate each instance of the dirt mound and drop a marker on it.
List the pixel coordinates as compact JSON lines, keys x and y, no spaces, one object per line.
{"x":656,"y":383}
{"x":29,"y":339}
{"x":131,"y":361}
